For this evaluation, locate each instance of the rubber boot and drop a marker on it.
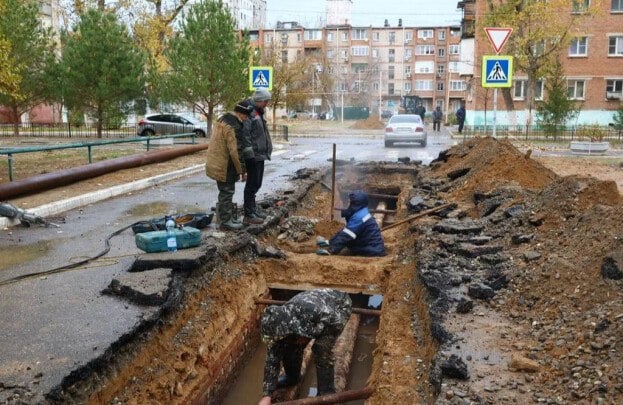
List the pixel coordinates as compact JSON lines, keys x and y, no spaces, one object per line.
{"x":226,"y":218}
{"x":326,"y":383}
{"x":235,"y":216}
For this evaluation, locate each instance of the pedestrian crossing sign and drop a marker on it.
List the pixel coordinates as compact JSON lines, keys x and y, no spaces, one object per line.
{"x":261,"y":77}
{"x":497,"y":71}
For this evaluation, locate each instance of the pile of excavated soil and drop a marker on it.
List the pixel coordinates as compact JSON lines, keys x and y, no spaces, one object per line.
{"x":553,"y":305}
{"x":492,"y":163}
{"x":371,"y":122}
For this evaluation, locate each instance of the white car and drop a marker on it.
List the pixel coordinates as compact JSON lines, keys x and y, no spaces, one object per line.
{"x":165,"y":124}
{"x":405,"y":128}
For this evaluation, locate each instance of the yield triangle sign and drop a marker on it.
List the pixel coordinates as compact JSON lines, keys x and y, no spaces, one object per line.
{"x":498,"y":37}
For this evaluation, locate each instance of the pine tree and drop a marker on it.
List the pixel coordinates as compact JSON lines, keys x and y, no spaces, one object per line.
{"x":557,"y":108}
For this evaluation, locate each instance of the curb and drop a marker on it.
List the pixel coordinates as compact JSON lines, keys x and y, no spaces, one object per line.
{"x":89,"y":198}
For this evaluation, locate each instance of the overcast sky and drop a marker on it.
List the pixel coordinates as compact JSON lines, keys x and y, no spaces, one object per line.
{"x":312,"y":13}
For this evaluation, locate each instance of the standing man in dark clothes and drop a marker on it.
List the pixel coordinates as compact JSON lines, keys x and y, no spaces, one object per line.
{"x":262,"y":149}
{"x":437,"y":116}
{"x":316,"y":314}
{"x":421,"y":111}
{"x":460,"y":117}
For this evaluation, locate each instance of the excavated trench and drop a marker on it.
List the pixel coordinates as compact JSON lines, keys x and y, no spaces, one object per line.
{"x":204,"y":346}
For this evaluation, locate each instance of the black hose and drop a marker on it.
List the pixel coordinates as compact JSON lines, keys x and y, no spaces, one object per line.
{"x":67,"y":267}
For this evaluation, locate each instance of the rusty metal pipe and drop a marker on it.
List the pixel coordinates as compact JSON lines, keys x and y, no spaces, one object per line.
{"x":359,"y":311}
{"x":64,"y":177}
{"x":334,"y":398}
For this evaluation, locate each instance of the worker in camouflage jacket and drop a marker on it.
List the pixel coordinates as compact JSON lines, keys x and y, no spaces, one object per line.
{"x":317,"y":314}
{"x":361,"y":235}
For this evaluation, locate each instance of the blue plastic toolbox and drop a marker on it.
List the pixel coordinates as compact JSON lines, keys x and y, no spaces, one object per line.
{"x":156,"y":241}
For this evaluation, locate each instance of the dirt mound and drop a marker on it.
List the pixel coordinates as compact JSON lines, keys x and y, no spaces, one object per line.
{"x":371,"y":122}
{"x":491,"y":163}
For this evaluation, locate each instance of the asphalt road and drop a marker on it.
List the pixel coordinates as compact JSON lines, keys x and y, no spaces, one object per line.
{"x":53,"y":325}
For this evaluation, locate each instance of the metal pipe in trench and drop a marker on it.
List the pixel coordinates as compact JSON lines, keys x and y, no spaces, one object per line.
{"x":359,"y":311}
{"x":64,"y":177}
{"x":334,"y":398}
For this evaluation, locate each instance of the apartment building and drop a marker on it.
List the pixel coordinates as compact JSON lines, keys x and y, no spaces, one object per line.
{"x":375,"y":67}
{"x":249,"y":14}
{"x":593,"y":65}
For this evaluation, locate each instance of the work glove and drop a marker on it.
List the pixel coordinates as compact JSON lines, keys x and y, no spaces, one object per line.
{"x":322,"y":252}
{"x":322,"y":242}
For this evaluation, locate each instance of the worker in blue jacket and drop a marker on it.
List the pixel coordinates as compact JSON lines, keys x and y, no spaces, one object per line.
{"x":361,"y":235}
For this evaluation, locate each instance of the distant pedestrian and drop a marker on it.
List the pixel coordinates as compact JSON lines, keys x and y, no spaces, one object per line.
{"x":224,"y":163}
{"x":421,"y":111}
{"x":460,"y":117}
{"x":437,"y":116}
{"x":262,"y":149}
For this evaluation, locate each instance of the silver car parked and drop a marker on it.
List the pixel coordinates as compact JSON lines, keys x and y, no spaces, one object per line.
{"x":166,"y":124}
{"x":405,"y":128}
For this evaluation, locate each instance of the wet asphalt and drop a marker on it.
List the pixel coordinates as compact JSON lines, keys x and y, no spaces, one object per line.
{"x":53,"y":325}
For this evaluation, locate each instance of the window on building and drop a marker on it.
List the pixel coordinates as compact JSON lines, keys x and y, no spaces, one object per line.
{"x":344,"y":36}
{"x":299,"y":37}
{"x":407,"y":71}
{"x":376,"y":37}
{"x":360,"y":50}
{"x":580,"y":6}
{"x":313,"y":35}
{"x":424,"y":66}
{"x":268,"y":38}
{"x":576,"y":89}
{"x":408,"y":36}
{"x":392,"y":37}
{"x":392,"y":56}
{"x":391,"y":72}
{"x":360,"y":33}
{"x":390,"y":88}
{"x":407,"y":87}
{"x":330,"y":36}
{"x":344,"y":70}
{"x":454,"y":49}
{"x":425,"y":34}
{"x":408,"y":54}
{"x":578,"y":46}
{"x":453,"y":67}
{"x":344,"y":53}
{"x":284,"y":56}
{"x":254,"y":37}
{"x":375,"y":86}
{"x":615,"y":46}
{"x":424,"y":85}
{"x":440,"y":86}
{"x":441,"y":70}
{"x":441,"y":35}
{"x":375,"y":53}
{"x":538,"y":90}
{"x":439,"y":103}
{"x":617,"y":5}
{"x":425,"y":50}
{"x":457,"y":85}
{"x":441,"y":52}
{"x":614,"y":89}
{"x":342,"y":87}
{"x":330,"y":54}
{"x":519,"y":89}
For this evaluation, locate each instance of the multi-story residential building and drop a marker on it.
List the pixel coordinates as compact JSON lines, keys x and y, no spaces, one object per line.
{"x":375,"y":67}
{"x":249,"y":14}
{"x":592,"y":62}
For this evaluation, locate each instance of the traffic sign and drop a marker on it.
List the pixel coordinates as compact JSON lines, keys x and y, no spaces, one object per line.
{"x":261,"y":77}
{"x":497,"y":71}
{"x":498,"y":37}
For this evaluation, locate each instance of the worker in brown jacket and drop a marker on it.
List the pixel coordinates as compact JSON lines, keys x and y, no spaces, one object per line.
{"x":223,"y":162}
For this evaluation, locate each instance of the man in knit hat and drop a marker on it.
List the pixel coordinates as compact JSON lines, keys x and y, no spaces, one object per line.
{"x":224,"y":161}
{"x":262,"y":149}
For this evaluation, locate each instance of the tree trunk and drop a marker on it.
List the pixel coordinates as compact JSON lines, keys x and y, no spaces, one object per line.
{"x":100,"y":116}
{"x":16,"y":120}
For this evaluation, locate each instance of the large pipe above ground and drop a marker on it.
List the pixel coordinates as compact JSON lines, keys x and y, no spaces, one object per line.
{"x":64,"y":177}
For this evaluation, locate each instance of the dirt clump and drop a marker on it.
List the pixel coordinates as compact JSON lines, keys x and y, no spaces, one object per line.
{"x":372,"y":122}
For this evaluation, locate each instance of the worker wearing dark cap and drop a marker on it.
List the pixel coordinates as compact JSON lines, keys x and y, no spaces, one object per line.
{"x":361,"y":235}
{"x":287,"y":329}
{"x":262,"y":149}
{"x":224,"y":163}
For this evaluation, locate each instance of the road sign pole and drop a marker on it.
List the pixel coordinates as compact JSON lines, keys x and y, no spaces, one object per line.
{"x":495,"y":111}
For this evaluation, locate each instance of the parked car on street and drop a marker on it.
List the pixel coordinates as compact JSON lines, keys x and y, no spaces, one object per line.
{"x":405,"y":128}
{"x":166,"y":124}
